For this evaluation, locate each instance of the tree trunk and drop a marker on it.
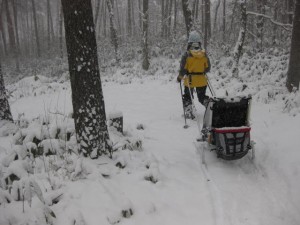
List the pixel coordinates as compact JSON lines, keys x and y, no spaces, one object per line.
{"x":38,"y":49}
{"x":113,"y":31}
{"x":260,"y":24}
{"x":275,"y":16}
{"x":15,"y":9}
{"x":118,"y":17}
{"x":11,"y":34}
{"x":97,"y":12}
{"x":140,"y":15}
{"x":216,"y":15}
{"x":207,"y":22}
{"x":2,"y":30}
{"x":240,"y":42}
{"x":197,"y":10}
{"x":61,"y":49}
{"x":293,"y":76}
{"x":48,"y":27}
{"x":5,"y":113}
{"x":224,"y":20}
{"x":175,"y":17}
{"x":146,"y":62}
{"x":87,"y":96}
{"x":187,"y":16}
{"x":129,"y":19}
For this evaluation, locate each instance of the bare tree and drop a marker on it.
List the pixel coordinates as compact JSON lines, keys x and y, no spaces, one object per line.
{"x":224,"y":19}
{"x":146,"y":62}
{"x":187,"y":16}
{"x":87,"y":96}
{"x":11,"y":34}
{"x":216,"y":14}
{"x":240,"y":42}
{"x":129,"y":18}
{"x":113,"y":31}
{"x":207,"y":25}
{"x":37,"y":39}
{"x":293,"y":76}
{"x":5,"y":113}
{"x":260,"y":23}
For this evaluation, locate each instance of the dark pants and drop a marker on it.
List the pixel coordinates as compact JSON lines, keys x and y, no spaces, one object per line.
{"x":200,"y":94}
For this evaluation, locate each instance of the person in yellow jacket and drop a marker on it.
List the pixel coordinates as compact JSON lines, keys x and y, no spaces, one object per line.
{"x":193,"y":68}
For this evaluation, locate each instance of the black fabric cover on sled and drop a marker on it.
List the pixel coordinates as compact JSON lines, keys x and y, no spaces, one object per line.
{"x":230,"y":113}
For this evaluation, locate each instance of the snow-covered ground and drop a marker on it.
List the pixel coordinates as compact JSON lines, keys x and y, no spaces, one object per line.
{"x":163,"y":182}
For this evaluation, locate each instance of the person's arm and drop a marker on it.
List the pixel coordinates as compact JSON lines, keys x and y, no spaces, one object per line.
{"x":207,"y":69}
{"x":182,"y":70}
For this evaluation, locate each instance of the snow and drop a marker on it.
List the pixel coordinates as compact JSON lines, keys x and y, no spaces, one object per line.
{"x":156,"y":175}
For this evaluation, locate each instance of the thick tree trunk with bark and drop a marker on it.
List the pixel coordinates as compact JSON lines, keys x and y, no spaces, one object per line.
{"x":187,"y":16}
{"x":5,"y":113}
{"x":146,"y":62}
{"x":113,"y":31}
{"x":87,"y":96}
{"x":293,"y":77}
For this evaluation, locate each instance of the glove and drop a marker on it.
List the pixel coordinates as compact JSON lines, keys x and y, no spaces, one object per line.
{"x":179,"y":78}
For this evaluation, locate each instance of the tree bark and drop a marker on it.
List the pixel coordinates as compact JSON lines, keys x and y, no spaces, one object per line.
{"x":260,"y":24}
{"x":11,"y":34}
{"x":15,"y":9}
{"x":37,"y":39}
{"x":207,"y":33}
{"x":293,"y":76}
{"x":175,"y":17}
{"x":5,"y":113}
{"x":187,"y":16}
{"x":2,"y":30}
{"x":216,"y":15}
{"x":240,"y":42}
{"x":87,"y":96}
{"x":146,"y":62}
{"x":224,"y":20}
{"x":129,"y":19}
{"x":61,"y":17}
{"x":113,"y":31}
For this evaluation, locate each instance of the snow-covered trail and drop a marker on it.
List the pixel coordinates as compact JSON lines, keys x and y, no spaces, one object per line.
{"x":249,"y":193}
{"x":242,"y":192}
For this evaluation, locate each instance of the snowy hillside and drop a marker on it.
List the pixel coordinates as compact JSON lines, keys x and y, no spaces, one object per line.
{"x":155,"y":175}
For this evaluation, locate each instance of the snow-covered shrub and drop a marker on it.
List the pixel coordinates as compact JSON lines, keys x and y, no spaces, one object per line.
{"x":25,"y":189}
{"x":5,"y":197}
{"x":292,"y":103}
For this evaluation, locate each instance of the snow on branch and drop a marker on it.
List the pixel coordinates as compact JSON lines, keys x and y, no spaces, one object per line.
{"x":284,"y":26}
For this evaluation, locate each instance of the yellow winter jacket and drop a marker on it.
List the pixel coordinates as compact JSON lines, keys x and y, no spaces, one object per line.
{"x":194,"y":64}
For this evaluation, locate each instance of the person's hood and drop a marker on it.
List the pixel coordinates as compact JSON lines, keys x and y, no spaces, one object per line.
{"x":197,"y":53}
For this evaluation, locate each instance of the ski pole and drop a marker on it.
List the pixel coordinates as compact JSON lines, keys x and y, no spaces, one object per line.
{"x":185,"y":125}
{"x":210,"y":87}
